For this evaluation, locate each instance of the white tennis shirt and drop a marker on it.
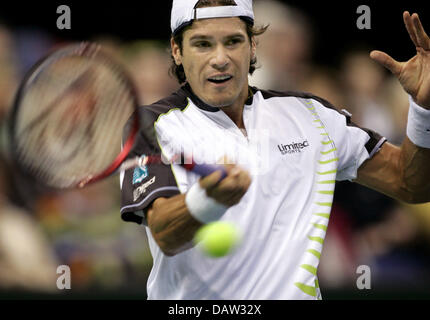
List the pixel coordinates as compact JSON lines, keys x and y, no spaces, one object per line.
{"x":295,"y":149}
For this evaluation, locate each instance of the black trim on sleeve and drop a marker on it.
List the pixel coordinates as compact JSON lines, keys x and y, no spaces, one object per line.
{"x":141,"y":186}
{"x":132,"y":217}
{"x":376,"y":140}
{"x":128,"y":213}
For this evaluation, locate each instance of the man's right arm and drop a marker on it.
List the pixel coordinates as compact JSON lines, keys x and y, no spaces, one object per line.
{"x":170,"y":221}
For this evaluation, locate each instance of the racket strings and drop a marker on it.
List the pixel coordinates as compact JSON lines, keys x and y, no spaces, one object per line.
{"x":71,"y":119}
{"x":118,"y":95}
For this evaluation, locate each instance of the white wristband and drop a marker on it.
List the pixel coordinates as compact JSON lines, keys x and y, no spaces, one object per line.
{"x":202,"y":207}
{"x":418,"y":128}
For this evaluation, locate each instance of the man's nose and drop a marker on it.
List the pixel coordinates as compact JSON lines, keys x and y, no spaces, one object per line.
{"x":220,"y":59}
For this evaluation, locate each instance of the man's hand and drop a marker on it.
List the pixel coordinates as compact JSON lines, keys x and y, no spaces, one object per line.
{"x":231,"y":189}
{"x":414,"y":75}
{"x":172,"y":225}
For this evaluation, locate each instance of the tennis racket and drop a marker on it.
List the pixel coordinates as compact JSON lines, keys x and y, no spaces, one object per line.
{"x":67,"y":120}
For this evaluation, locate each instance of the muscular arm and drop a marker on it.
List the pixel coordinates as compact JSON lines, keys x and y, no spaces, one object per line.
{"x":402,"y":172}
{"x":172,"y":225}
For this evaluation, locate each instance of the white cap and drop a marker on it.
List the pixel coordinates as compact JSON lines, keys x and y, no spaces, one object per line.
{"x":183,"y":12}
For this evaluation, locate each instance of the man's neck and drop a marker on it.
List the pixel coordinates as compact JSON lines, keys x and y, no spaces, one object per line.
{"x":235,"y":111}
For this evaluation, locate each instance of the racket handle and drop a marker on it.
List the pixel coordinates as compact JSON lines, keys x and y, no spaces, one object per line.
{"x":205,"y":169}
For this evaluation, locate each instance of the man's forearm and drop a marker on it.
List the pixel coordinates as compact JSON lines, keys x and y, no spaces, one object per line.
{"x":171,"y":224}
{"x":174,"y":221}
{"x":415,"y":164}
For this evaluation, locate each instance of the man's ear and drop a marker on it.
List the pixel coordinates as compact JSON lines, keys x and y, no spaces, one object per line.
{"x":176,"y":52}
{"x":253,"y":49}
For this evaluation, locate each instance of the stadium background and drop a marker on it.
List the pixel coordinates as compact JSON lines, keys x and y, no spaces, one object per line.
{"x":309,"y":47}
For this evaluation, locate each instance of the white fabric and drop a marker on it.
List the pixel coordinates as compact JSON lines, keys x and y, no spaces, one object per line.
{"x":284,"y":213}
{"x":202,"y":207}
{"x":418,"y":128}
{"x":183,"y":11}
{"x":348,"y":140}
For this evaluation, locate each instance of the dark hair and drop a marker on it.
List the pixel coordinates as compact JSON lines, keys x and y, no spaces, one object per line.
{"x":252,"y":31}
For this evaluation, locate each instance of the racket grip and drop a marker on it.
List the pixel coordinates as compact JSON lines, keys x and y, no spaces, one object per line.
{"x":205,"y":169}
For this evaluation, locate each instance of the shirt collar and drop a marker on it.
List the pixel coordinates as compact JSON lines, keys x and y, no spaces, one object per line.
{"x":204,"y":106}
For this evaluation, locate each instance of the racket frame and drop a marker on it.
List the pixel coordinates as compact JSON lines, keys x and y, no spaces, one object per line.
{"x":84,"y":49}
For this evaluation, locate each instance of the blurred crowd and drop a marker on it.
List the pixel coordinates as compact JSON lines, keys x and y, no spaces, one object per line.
{"x":40,"y":231}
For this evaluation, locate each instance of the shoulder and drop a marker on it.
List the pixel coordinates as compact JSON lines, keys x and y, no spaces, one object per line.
{"x":177,"y":100}
{"x":333,"y":116}
{"x":148,"y":114}
{"x":325,"y":109}
{"x":269,"y":94}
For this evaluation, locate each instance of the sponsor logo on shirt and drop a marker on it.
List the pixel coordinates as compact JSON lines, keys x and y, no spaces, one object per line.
{"x":142,"y":189}
{"x":293,"y":147}
{"x":139,"y":174}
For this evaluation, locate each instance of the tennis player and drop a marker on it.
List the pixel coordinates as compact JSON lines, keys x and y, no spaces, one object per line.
{"x":289,"y":149}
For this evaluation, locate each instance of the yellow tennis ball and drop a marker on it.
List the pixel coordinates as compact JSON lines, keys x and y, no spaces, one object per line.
{"x":217,"y":239}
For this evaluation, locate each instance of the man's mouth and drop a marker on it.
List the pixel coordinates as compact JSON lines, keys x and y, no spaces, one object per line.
{"x":220,"y":79}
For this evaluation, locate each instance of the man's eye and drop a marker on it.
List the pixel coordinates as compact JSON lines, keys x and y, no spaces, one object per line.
{"x":233,"y":42}
{"x":202,"y":44}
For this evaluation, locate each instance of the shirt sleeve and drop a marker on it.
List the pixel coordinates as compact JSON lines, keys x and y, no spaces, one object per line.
{"x":354,"y":144}
{"x":142,"y":185}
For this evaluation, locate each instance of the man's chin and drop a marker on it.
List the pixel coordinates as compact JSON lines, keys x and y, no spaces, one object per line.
{"x":218,"y":103}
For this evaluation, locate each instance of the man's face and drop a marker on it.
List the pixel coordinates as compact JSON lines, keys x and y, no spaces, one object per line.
{"x":216,"y":57}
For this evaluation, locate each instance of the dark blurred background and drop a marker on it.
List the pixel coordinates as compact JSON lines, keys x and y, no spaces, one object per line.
{"x":334,"y":23}
{"x":309,"y":47}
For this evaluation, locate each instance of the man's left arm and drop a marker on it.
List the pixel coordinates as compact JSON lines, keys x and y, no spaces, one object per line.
{"x":404,"y":172}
